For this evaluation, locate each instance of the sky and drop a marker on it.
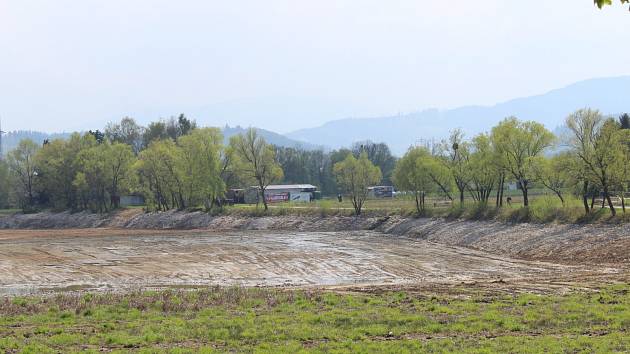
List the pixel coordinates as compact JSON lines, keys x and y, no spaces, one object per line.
{"x":284,"y":64}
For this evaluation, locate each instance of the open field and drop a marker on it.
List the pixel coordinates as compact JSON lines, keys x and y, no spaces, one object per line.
{"x":289,"y":321}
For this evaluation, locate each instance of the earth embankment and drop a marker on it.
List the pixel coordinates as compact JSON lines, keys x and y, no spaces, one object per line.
{"x":565,"y":243}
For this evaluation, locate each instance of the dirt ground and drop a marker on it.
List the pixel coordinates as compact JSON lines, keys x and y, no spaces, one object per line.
{"x":33,"y":261}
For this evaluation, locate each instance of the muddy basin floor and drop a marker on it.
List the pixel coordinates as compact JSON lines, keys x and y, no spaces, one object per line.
{"x":32,"y":261}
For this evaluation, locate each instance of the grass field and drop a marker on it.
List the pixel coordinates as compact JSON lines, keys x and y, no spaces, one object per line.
{"x":544,"y":208}
{"x":272,"y":321}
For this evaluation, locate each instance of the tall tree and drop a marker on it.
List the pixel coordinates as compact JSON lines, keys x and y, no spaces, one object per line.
{"x":355,"y":176}
{"x":483,"y":169}
{"x":597,"y":143}
{"x":380,"y":155}
{"x":5,"y":184}
{"x":127,"y":132}
{"x":412,"y":173}
{"x":258,"y":158}
{"x":519,"y":143}
{"x":21,"y":163}
{"x":201,"y":166}
{"x":455,"y":154}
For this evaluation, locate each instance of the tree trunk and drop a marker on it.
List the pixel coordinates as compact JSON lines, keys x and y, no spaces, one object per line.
{"x":623,"y":203}
{"x":502,"y":190}
{"x":585,"y":197}
{"x":610,"y":204}
{"x":262,"y":193}
{"x":461,"y":196}
{"x":524,"y":190}
{"x":417,"y":194}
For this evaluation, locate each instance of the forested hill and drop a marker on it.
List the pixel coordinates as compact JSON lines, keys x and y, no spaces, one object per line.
{"x":270,"y":137}
{"x":12,"y":139}
{"x":609,"y":95}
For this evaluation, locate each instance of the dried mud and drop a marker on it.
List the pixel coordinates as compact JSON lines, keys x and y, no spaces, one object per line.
{"x":131,"y":249}
{"x":109,"y":259}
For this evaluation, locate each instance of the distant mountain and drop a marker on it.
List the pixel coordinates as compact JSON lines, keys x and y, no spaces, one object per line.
{"x":609,"y":95}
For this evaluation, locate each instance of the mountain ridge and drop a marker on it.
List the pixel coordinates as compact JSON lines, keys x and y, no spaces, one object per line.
{"x":401,"y":131}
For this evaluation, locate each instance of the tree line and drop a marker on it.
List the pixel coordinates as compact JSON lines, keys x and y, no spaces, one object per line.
{"x":175,"y":164}
{"x":591,"y":159}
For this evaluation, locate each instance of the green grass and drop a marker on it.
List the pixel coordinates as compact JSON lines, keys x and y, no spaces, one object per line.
{"x":272,"y":321}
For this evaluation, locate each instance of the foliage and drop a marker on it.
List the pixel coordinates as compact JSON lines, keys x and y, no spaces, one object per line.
{"x":518,"y":143}
{"x":23,"y":170}
{"x":5,"y":184}
{"x":413,"y":174}
{"x":602,"y":3}
{"x":601,"y":147}
{"x":354,"y":176}
{"x":257,"y":159}
{"x":379,"y":155}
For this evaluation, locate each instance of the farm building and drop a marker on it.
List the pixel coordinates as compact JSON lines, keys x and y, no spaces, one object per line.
{"x":381,"y":192}
{"x":282,"y":193}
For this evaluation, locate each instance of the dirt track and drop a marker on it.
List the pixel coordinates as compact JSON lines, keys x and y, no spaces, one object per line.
{"x":32,"y":260}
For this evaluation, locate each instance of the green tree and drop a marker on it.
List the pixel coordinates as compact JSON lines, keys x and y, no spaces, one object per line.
{"x":126,"y":132}
{"x":380,"y":155}
{"x":119,"y":161}
{"x":5,"y":184}
{"x":201,"y":166}
{"x":412,"y":173}
{"x":257,"y":159}
{"x":21,"y":163}
{"x":154,"y":131}
{"x":160,"y":176}
{"x":355,"y":176}
{"x":58,"y":166}
{"x":602,"y":3}
{"x":455,"y":154}
{"x":599,"y":144}
{"x":483,"y":169}
{"x":518,"y":143}
{"x":553,"y":173}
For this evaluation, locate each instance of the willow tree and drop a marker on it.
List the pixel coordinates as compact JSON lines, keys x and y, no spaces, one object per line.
{"x":484,"y":175}
{"x":21,"y":162}
{"x":354,"y":176}
{"x":200,"y":166}
{"x":456,"y":157}
{"x":600,"y":145}
{"x":258,"y":160}
{"x":412,"y":174}
{"x":518,"y":143}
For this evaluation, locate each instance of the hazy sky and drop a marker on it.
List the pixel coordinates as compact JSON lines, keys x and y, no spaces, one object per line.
{"x":69,"y":64}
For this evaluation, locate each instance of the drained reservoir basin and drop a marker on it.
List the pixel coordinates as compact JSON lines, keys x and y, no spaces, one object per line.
{"x":109,"y":259}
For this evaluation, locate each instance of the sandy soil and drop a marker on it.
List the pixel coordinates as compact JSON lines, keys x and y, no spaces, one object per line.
{"x":34,"y":261}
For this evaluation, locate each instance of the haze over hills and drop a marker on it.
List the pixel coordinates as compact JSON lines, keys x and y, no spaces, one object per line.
{"x":609,"y":95}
